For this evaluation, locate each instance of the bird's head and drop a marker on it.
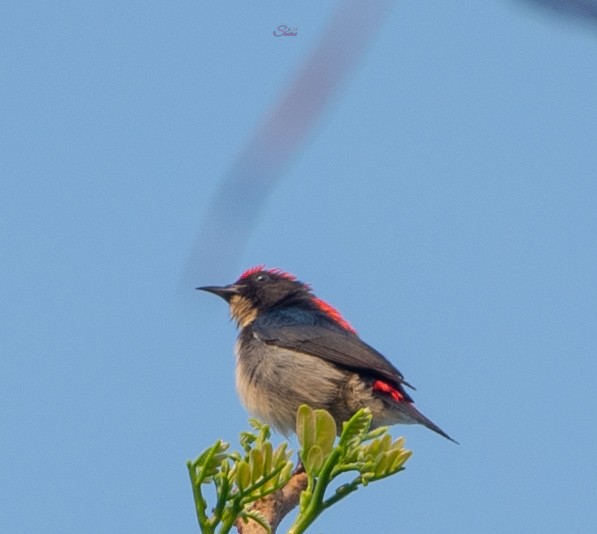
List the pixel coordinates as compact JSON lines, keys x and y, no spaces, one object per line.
{"x":259,"y":289}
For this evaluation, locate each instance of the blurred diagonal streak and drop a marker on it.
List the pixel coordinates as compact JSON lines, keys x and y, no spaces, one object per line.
{"x":261,"y":164}
{"x":585,"y":9}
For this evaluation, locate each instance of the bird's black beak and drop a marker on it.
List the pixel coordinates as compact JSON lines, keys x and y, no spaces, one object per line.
{"x":226,"y":292}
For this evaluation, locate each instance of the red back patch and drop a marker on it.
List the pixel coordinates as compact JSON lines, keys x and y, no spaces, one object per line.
{"x":333,"y":314}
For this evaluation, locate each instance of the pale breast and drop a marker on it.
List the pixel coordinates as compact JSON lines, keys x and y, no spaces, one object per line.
{"x":273,"y":382}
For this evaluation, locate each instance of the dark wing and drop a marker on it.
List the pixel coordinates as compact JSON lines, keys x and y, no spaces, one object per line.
{"x":336,"y":346}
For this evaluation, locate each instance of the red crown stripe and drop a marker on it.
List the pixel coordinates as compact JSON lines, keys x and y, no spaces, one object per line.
{"x":261,"y":268}
{"x":251,"y":271}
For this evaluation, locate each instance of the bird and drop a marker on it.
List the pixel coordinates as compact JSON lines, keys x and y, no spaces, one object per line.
{"x":294,"y":348}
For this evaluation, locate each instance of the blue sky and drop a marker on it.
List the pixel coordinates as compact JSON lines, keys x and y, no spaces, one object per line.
{"x":445,"y":202}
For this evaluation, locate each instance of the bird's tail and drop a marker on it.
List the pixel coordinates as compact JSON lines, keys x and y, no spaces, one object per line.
{"x":408,"y":408}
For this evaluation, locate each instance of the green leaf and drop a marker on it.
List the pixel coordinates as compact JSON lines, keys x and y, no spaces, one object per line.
{"x":243,"y":475}
{"x":381,"y":464}
{"x":305,"y":427}
{"x":316,"y":432}
{"x":373,"y":449}
{"x":355,"y":429}
{"x":385,"y":442}
{"x":207,"y":464}
{"x":325,"y":431}
{"x":280,"y":454}
{"x":286,"y":473}
{"x":267,"y":451}
{"x":256,"y":464}
{"x":256,"y":424}
{"x":225,"y":467}
{"x":400,"y":460}
{"x":246,"y":440}
{"x":313,"y":460}
{"x":372,"y":434}
{"x":399,"y":443}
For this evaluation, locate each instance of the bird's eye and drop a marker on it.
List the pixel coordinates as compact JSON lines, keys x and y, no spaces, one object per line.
{"x":262,"y":278}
